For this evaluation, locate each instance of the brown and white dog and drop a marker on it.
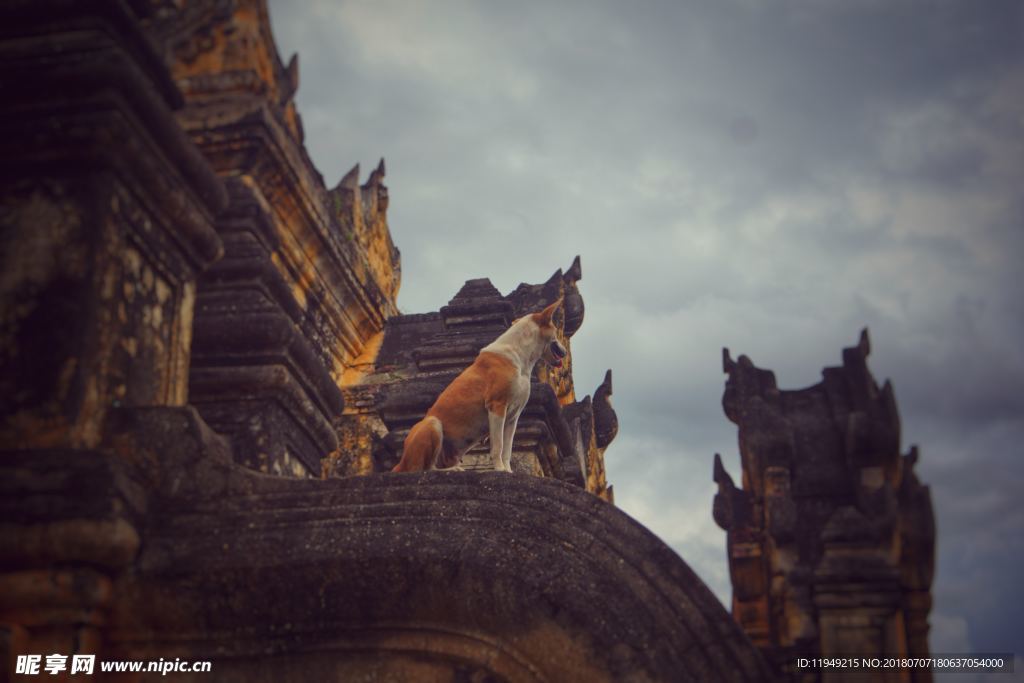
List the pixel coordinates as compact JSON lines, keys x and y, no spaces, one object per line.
{"x":486,"y":399}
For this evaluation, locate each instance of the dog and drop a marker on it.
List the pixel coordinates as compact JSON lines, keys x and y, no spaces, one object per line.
{"x":486,"y":399}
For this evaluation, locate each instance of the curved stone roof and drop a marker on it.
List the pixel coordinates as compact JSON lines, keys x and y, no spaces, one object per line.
{"x":425,"y":577}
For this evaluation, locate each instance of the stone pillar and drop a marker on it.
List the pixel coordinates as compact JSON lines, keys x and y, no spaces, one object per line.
{"x":106,"y":218}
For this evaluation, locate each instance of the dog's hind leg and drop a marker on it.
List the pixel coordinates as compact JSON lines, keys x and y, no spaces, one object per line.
{"x":422,"y":446}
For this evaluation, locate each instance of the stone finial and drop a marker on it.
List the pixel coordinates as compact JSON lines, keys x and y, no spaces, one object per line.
{"x":375,"y":194}
{"x":746,"y":383}
{"x":721,"y":476}
{"x":856,"y":356}
{"x":574,"y":308}
{"x":864,"y":343}
{"x":575,"y":272}
{"x":346,"y":201}
{"x":377,"y":174}
{"x":350,"y":181}
{"x":554,"y":283}
{"x":731,"y":506}
{"x":606,"y":421}
{"x":529,"y":298}
{"x":292,"y":72}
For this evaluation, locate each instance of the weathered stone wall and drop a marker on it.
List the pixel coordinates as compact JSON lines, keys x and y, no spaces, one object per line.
{"x":831,"y":539}
{"x":309,"y":275}
{"x":106,"y":217}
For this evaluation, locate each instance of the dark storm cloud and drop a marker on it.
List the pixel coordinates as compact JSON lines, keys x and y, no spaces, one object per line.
{"x":771,"y":177}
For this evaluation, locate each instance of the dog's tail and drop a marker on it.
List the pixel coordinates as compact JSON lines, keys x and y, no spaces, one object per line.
{"x":422,"y":446}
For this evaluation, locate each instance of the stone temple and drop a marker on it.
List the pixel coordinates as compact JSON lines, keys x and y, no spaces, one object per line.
{"x":205,"y":378}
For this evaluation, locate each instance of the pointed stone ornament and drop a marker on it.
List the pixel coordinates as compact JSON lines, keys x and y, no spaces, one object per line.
{"x":293,"y":73}
{"x":575,"y":272}
{"x":350,"y":181}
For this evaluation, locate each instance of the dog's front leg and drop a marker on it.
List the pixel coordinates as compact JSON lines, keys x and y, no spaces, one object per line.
{"x":506,"y":441}
{"x":497,"y":424}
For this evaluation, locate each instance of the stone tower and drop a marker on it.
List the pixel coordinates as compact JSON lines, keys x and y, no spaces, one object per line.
{"x":831,"y":539}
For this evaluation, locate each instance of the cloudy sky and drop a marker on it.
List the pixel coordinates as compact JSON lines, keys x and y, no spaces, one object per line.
{"x":766,"y":176}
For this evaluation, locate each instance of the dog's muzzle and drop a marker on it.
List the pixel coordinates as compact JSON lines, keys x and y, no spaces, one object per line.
{"x":557,"y":352}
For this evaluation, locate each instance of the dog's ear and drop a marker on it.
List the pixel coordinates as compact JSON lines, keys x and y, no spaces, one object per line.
{"x":544,"y":317}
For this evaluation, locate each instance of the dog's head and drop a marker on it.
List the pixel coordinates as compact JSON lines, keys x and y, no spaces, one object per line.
{"x":554,"y":352}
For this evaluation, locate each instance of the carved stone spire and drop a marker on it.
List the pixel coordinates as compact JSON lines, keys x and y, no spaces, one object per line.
{"x":606,"y":422}
{"x":350,"y":181}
